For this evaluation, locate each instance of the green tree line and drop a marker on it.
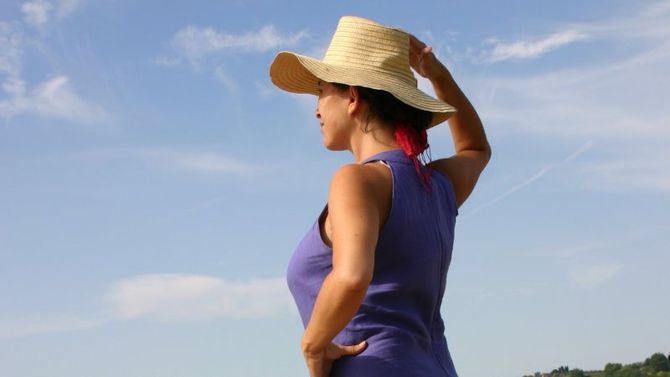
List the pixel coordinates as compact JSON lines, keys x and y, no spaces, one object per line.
{"x":656,"y":365}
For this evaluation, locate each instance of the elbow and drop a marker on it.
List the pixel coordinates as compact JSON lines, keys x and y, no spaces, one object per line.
{"x":358,"y":281}
{"x":488,"y":153}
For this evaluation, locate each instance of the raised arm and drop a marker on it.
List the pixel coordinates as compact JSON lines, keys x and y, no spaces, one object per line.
{"x":473,"y":151}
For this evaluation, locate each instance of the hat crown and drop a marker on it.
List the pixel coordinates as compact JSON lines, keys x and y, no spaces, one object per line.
{"x":363,"y":44}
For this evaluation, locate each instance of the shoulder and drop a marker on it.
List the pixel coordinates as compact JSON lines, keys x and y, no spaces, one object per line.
{"x":361,"y":186}
{"x":364,"y":179}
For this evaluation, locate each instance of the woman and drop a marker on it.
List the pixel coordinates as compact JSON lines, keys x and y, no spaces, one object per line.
{"x":369,"y":276}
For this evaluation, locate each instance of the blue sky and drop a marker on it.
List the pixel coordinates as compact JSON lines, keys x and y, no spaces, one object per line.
{"x":153,"y":183}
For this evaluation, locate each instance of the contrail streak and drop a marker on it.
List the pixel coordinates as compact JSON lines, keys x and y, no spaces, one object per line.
{"x":586,"y":146}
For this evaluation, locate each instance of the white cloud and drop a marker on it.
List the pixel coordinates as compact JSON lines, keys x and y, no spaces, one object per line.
{"x":527,"y":49}
{"x":53,"y":98}
{"x":650,"y":21}
{"x":66,"y":7}
{"x":11,"y":40}
{"x":591,"y":276}
{"x":169,"y":298}
{"x":616,"y":96}
{"x":618,"y":100}
{"x":620,"y":106}
{"x":38,"y":12}
{"x":195,"y":42}
{"x":179,"y":297}
{"x":198,"y":44}
{"x":646,"y":170}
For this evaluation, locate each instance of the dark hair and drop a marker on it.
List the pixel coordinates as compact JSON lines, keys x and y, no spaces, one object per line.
{"x":388,"y":109}
{"x":409,"y":125}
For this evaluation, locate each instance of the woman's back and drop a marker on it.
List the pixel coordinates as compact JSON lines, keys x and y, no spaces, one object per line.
{"x":400,"y":314}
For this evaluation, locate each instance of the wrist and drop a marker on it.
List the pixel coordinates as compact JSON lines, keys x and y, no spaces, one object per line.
{"x":310,"y":347}
{"x":440,"y":75}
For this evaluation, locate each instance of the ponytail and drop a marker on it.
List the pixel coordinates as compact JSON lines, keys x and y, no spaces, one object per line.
{"x":414,"y":143}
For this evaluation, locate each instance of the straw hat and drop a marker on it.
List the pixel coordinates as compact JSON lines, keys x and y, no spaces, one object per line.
{"x":361,"y":53}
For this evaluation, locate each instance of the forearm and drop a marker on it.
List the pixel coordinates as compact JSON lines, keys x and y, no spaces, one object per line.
{"x":466,"y":127}
{"x":337,"y":302}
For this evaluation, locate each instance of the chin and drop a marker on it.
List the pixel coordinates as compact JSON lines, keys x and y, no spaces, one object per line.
{"x":335,"y":148}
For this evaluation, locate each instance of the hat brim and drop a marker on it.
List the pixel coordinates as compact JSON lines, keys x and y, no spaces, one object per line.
{"x":301,"y":74}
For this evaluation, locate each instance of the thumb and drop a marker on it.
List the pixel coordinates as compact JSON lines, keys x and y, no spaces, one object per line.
{"x":354,"y":348}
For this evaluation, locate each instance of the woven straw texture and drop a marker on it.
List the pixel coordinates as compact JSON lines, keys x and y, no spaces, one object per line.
{"x":362,"y":53}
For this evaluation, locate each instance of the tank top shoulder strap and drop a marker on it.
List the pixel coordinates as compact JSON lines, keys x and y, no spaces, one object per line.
{"x":393,"y":155}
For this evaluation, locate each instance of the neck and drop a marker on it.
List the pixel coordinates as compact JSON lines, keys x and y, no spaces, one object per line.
{"x":379,"y":138}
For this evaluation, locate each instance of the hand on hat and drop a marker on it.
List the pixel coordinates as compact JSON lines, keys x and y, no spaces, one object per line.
{"x":423,"y":61}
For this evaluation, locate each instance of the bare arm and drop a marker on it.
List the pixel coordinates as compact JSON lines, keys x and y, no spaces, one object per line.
{"x":355,"y":221}
{"x":473,"y":151}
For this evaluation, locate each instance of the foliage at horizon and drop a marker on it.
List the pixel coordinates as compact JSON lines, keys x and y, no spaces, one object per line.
{"x":656,"y":365}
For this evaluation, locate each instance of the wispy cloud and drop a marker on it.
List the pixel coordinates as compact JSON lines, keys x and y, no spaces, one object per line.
{"x":197,"y":160}
{"x":645,"y":170}
{"x":25,"y":327}
{"x":567,"y":251}
{"x":12,"y":40}
{"x":203,"y":46}
{"x":213,"y":162}
{"x":195,"y":42}
{"x":168,"y":298}
{"x":616,"y":96}
{"x":594,"y":275}
{"x":39,"y":12}
{"x":36,"y":12}
{"x":180,"y":297}
{"x":617,"y":100}
{"x":222,"y":76}
{"x":528,"y":49}
{"x":53,"y":98}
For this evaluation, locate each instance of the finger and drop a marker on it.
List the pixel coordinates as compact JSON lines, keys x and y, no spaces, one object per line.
{"x":415,"y":41}
{"x":315,"y":368}
{"x":415,"y":45}
{"x":327,"y":368}
{"x":353,"y":349}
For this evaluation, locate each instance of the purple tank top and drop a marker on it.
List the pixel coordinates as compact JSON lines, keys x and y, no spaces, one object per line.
{"x":400,"y":315}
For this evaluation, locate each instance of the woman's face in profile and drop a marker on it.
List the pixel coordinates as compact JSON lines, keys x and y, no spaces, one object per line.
{"x":333,"y":116}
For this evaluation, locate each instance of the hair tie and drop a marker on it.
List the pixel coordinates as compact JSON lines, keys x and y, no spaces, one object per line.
{"x":413,"y":143}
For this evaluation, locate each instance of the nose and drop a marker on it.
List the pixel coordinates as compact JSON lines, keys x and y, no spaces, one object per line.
{"x":317,"y":114}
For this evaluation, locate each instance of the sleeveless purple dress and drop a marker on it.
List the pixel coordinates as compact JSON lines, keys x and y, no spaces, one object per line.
{"x":400,"y":315}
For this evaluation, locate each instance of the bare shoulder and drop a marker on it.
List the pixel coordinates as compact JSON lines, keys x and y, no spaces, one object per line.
{"x":463,"y":170}
{"x":365,"y":181}
{"x":357,"y":188}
